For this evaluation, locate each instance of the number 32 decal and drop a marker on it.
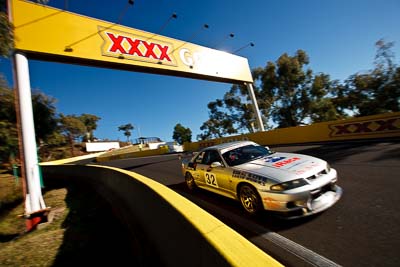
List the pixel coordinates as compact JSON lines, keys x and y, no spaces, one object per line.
{"x":211,"y":179}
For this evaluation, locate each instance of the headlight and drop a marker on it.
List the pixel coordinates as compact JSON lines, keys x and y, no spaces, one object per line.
{"x":289,"y":185}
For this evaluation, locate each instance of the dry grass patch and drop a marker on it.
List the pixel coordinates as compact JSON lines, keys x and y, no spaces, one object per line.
{"x":83,"y":230}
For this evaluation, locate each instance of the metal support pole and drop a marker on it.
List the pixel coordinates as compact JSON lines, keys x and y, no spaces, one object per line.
{"x":255,"y":107}
{"x":33,"y":200}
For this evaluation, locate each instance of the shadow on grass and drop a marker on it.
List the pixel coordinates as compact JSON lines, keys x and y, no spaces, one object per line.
{"x":6,"y":206}
{"x":93,"y":235}
{"x":8,"y":237}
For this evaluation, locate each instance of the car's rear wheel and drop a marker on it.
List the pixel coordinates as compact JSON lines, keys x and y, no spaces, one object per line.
{"x":191,"y":185}
{"x":250,"y":199}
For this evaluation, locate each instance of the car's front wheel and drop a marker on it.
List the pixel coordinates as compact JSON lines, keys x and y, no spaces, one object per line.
{"x":191,"y":185}
{"x":250,"y":199}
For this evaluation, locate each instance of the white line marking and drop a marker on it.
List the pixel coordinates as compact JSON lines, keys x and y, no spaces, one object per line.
{"x":298,"y":250}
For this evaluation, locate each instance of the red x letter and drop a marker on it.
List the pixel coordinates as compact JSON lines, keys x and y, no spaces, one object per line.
{"x":117,"y":40}
{"x":386,"y":125}
{"x":342,"y":129}
{"x":149,"y":52}
{"x":362,"y":127}
{"x":134,"y":47}
{"x":164,"y":50}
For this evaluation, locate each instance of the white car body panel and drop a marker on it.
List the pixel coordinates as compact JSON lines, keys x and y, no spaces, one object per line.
{"x":316,"y":192}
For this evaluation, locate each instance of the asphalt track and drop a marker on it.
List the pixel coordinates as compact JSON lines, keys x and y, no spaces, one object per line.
{"x":362,"y":229}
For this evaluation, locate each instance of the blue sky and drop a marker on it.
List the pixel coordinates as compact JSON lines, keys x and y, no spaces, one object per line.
{"x":339,"y":36}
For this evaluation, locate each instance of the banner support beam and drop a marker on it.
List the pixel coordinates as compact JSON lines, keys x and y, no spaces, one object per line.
{"x":255,"y":107}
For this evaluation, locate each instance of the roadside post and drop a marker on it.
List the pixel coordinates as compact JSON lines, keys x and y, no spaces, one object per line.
{"x":35,"y":208}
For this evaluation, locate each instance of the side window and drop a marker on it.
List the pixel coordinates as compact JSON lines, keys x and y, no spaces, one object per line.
{"x":215,"y":157}
{"x":199,"y":158}
{"x":211,"y":156}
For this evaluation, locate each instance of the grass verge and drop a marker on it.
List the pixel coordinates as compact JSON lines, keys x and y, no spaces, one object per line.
{"x":83,"y":231}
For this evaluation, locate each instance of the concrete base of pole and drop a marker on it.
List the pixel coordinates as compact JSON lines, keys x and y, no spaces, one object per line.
{"x":34,"y":219}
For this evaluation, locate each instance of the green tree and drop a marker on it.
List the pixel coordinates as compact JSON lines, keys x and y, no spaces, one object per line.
{"x":73,"y":128}
{"x":287,"y":94}
{"x":324,"y":99}
{"x":6,"y":31}
{"x":44,"y":113}
{"x":234,"y":113}
{"x":8,"y":129}
{"x":297,"y":95}
{"x":8,"y":141}
{"x":7,"y":106}
{"x":220,"y":122}
{"x":289,"y":83}
{"x":182,"y":134}
{"x":90,"y":122}
{"x":126,"y":128}
{"x":378,"y":90}
{"x":56,"y":139}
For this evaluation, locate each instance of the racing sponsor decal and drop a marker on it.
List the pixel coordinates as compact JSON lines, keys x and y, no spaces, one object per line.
{"x":135,"y":47}
{"x":273,"y":159}
{"x":211,"y":179}
{"x":376,"y":126}
{"x":239,"y":174}
{"x":285,"y":162}
{"x":271,"y":203}
{"x":249,"y":176}
{"x":307,"y":168}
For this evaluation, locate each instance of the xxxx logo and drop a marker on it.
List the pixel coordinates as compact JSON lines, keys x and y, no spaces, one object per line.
{"x":206,"y":144}
{"x":377,"y":126}
{"x":135,"y":47}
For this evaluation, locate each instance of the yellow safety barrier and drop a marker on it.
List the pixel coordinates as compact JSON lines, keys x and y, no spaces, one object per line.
{"x":169,"y":230}
{"x":70,"y":160}
{"x":145,"y":153}
{"x":370,"y":127}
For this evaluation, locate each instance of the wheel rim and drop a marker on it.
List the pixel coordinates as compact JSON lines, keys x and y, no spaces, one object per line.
{"x":249,"y":199}
{"x":189,"y":181}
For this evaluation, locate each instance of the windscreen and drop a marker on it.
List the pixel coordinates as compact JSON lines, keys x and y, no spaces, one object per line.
{"x":245,"y":154}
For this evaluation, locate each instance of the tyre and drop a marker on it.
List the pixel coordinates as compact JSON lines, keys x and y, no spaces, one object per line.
{"x":191,"y":185}
{"x":250,"y":199}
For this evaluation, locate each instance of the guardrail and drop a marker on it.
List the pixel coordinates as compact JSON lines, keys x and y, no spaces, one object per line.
{"x":107,"y":156}
{"x":169,"y":229}
{"x":361,"y":128}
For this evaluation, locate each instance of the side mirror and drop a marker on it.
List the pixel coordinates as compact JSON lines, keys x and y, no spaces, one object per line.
{"x":216,"y":164}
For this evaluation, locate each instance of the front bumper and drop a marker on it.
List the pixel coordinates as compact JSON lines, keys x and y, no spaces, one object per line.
{"x":302,"y":204}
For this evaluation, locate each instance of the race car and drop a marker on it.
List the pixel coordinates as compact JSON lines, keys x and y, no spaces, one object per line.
{"x":293,"y":185}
